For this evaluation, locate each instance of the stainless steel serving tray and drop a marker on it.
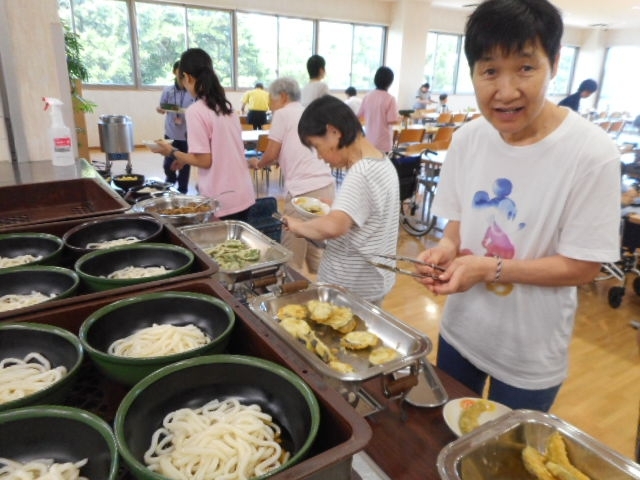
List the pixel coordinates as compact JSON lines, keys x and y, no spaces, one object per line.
{"x":410,"y":343}
{"x":272,"y":254}
{"x":493,"y":451}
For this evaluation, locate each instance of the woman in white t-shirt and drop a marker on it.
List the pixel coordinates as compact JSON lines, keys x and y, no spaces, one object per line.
{"x":531,"y":192}
{"x":304,"y":173}
{"x":363,"y":220}
{"x":215,"y":139}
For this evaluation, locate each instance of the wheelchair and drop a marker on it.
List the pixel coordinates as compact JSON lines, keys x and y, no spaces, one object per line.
{"x":628,"y":263}
{"x":418,"y":176}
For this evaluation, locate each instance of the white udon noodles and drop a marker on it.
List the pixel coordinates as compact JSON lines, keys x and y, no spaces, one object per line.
{"x":138,"y":272}
{"x":159,"y":340}
{"x":20,"y":378}
{"x":6,"y":262}
{"x":111,"y":243}
{"x":11,"y":301}
{"x":41,"y":469}
{"x":224,"y":440}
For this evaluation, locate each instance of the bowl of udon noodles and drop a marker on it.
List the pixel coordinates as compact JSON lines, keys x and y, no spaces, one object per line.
{"x":29,"y":248}
{"x":131,"y":338}
{"x":39,"y":364}
{"x":100,"y":234}
{"x":22,"y":287}
{"x":57,"y":442}
{"x":132,"y":264}
{"x":180,"y":210}
{"x":252,"y":419}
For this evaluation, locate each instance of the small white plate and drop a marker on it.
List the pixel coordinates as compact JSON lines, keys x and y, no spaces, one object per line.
{"x":153,"y":144}
{"x":453,"y":409}
{"x":310,"y":207}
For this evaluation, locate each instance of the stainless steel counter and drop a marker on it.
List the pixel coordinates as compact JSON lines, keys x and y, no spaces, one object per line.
{"x":17,"y":173}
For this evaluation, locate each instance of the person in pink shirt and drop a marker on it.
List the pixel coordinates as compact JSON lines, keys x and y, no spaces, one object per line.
{"x":215,"y":139}
{"x":304,"y":173}
{"x":379,"y":110}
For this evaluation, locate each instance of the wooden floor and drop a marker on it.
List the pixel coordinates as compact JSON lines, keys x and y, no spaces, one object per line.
{"x":602,"y":393}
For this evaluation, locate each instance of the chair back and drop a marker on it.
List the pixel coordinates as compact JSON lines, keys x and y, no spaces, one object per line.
{"x":616,"y":128}
{"x":410,"y":135}
{"x":459,"y":117}
{"x":263,"y":141}
{"x":605,"y":126}
{"x":445,"y":118}
{"x":246,"y":126}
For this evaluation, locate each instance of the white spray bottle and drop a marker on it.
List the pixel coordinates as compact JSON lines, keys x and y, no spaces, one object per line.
{"x":59,"y":135}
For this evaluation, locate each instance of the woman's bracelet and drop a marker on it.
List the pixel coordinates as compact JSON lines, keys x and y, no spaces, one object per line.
{"x":498,"y":268}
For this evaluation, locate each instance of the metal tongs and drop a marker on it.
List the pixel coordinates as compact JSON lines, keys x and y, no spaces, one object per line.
{"x":400,"y":258}
{"x":318,"y":243}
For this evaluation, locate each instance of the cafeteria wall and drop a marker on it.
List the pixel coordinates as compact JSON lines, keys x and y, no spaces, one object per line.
{"x":32,"y":64}
{"x":30,"y":60}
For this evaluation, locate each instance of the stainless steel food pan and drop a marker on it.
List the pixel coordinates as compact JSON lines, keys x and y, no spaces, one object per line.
{"x":493,"y":451}
{"x":272,"y":254}
{"x":410,"y":343}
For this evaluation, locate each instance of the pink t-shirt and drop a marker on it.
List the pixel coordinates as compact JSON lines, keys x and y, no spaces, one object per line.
{"x":221,"y":136}
{"x":379,"y":110}
{"x":302,"y":169}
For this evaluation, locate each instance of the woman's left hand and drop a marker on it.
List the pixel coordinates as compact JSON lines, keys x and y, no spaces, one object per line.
{"x":463,"y":273}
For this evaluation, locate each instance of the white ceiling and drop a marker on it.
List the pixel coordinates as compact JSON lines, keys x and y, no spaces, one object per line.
{"x":612,"y":14}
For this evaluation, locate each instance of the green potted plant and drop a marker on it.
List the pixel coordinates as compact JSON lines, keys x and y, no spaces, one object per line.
{"x":77,"y":74}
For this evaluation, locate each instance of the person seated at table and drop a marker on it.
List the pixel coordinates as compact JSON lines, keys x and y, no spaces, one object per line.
{"x":379,"y":110}
{"x":585,"y":90}
{"x":304,"y":174}
{"x":353,"y":100}
{"x":442,"y":106}
{"x":364,"y":216}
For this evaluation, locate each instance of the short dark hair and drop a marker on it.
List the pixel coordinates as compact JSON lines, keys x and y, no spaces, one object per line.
{"x":259,"y":85}
{"x":443,"y":96}
{"x":383,"y":78}
{"x":351,"y":91}
{"x":511,"y":25}
{"x":329,"y":110}
{"x":588,"y":85}
{"x":425,"y":85}
{"x":176,"y":65}
{"x":315,"y":63}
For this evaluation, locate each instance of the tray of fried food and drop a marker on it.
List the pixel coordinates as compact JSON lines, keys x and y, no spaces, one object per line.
{"x":341,"y":334}
{"x":532,"y":445}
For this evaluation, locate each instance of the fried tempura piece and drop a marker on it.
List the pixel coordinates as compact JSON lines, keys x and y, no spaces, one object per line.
{"x":349,"y":327}
{"x":557,"y":454}
{"x":359,"y":340}
{"x":381,"y":355}
{"x":340,"y":317}
{"x":319,"y":311}
{"x":341,"y":367}
{"x":560,"y":472}
{"x":534,"y":461}
{"x":293,"y":310}
{"x":321,"y":349}
{"x":296,"y":327}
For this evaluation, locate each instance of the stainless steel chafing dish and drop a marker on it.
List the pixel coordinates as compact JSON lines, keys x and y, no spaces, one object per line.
{"x":493,"y":451}
{"x":411,"y":344}
{"x":272,"y":254}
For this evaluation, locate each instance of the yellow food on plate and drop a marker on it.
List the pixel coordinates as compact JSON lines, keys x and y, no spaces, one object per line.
{"x":293,"y":310}
{"x":470,"y":416}
{"x":341,"y":367}
{"x":319,"y":311}
{"x":359,"y":340}
{"x":297,"y":328}
{"x":381,"y":355}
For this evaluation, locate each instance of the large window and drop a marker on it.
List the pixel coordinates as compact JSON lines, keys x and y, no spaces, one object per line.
{"x":447,"y":69}
{"x":619,"y":90}
{"x":129,"y":42}
{"x":353,"y":53}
